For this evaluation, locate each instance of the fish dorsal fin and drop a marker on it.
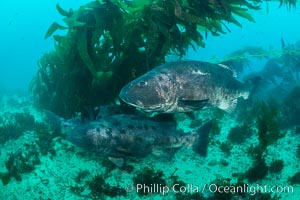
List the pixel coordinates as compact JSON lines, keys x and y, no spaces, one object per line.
{"x":233,"y":72}
{"x":193,"y":104}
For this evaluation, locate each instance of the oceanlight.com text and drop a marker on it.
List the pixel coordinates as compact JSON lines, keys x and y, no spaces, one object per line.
{"x":250,"y":189}
{"x":207,"y":188}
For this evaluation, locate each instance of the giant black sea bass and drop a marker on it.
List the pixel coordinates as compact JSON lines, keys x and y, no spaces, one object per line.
{"x":184,"y":86}
{"x":123,"y":136}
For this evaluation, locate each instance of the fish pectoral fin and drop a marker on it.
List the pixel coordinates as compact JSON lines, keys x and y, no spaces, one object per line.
{"x":165,"y":152}
{"x":193,"y":104}
{"x":119,"y":162}
{"x":190,"y":115}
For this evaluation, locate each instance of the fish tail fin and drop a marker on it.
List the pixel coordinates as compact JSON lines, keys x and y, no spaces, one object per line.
{"x":245,"y":94}
{"x":55,"y":122}
{"x":253,"y":83}
{"x":228,"y":106}
{"x":5,"y":177}
{"x":202,"y":138}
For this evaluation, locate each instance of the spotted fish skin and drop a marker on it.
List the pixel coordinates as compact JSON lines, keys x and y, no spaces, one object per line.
{"x":133,"y":136}
{"x":184,"y":86}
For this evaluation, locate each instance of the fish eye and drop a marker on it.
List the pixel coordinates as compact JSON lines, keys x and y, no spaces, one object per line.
{"x":142,"y":83}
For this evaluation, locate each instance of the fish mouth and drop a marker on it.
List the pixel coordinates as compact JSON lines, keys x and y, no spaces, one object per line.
{"x":123,"y":95}
{"x":152,"y":109}
{"x":138,"y":104}
{"x":130,"y":101}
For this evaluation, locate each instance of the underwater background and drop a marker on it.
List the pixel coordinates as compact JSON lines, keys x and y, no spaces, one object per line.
{"x":58,"y":60}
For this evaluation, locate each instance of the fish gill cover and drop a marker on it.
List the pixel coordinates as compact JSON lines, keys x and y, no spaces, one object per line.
{"x":110,"y":42}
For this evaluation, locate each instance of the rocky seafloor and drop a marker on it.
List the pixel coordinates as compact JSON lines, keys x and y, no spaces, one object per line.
{"x":243,"y":158}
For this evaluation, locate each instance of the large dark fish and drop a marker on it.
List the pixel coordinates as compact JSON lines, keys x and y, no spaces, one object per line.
{"x":134,"y":136}
{"x":184,"y":86}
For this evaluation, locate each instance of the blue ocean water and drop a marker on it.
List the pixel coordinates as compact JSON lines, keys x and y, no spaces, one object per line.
{"x":271,"y":25}
{"x":22,"y":38}
{"x":42,"y":163}
{"x":25,"y":24}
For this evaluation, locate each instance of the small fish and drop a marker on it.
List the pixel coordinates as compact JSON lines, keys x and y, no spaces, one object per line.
{"x":125,"y":136}
{"x":185,"y":86}
{"x":282,"y":43}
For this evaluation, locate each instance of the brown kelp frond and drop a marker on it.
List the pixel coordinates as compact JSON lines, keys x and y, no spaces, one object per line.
{"x":64,"y":12}
{"x":288,"y":3}
{"x":54,"y":27}
{"x":107,"y":43}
